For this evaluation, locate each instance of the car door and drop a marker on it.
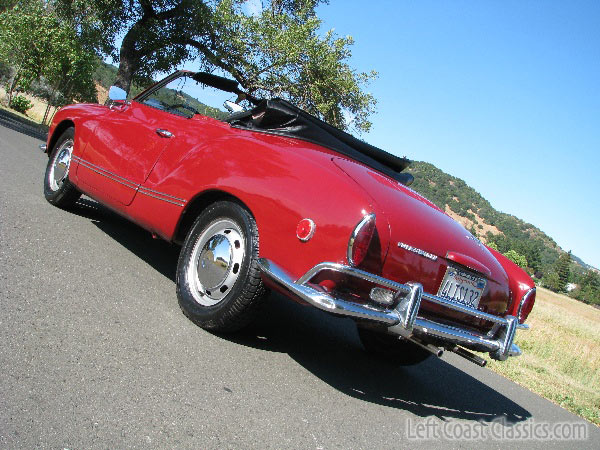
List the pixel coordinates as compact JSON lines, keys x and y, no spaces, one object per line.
{"x":127,"y":144}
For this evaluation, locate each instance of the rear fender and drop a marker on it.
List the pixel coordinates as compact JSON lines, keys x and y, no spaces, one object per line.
{"x":281,"y":183}
{"x":519,"y":282}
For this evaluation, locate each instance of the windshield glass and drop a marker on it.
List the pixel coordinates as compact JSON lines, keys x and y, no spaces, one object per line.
{"x":185,"y":97}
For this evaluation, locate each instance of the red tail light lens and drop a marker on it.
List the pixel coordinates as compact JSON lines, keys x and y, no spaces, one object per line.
{"x":526,"y":305}
{"x":358,"y":246}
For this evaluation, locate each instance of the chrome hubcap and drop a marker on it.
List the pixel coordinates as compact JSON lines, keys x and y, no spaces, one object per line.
{"x":59,"y":169}
{"x":216,"y":261}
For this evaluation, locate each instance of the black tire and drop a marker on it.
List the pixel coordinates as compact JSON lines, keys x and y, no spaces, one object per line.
{"x":391,"y":348}
{"x":215,"y":293}
{"x":58,"y":190}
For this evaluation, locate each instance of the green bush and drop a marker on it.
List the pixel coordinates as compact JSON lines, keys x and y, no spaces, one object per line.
{"x":20,"y":104}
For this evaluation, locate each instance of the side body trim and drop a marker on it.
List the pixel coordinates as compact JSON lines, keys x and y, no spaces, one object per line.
{"x":130,"y":184}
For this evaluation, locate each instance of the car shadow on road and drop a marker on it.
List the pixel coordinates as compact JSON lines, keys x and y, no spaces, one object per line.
{"x":22,"y":125}
{"x":157,"y":253}
{"x":329,"y":347}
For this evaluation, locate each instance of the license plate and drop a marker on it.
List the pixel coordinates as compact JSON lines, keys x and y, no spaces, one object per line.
{"x":462,"y":287}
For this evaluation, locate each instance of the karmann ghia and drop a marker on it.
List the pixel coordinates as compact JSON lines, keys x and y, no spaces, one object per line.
{"x":274,"y":198}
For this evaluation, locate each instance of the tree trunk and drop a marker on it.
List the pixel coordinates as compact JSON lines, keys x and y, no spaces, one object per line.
{"x":129,"y":58}
{"x":12,"y":87}
{"x":126,"y":71}
{"x":46,"y":113}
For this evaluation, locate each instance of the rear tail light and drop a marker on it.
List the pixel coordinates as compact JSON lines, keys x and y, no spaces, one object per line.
{"x":359,"y":242}
{"x":526,"y":305}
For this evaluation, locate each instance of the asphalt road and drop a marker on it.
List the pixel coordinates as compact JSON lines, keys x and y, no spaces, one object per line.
{"x":95,"y":353}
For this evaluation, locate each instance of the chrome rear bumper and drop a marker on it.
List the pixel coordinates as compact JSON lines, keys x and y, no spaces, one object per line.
{"x":403,"y":319}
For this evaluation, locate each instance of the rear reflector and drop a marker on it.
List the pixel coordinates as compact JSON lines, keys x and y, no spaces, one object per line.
{"x":359,"y":242}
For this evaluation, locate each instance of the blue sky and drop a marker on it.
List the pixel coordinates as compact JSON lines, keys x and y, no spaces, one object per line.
{"x":503,"y":94}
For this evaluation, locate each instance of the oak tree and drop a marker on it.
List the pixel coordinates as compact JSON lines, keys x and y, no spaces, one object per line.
{"x":275,"y":50}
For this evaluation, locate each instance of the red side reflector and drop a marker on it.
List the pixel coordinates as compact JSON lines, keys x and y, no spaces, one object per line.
{"x":305,"y":229}
{"x":359,"y":242}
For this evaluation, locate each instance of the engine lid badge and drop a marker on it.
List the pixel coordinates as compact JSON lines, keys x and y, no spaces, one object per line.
{"x":418,"y":251}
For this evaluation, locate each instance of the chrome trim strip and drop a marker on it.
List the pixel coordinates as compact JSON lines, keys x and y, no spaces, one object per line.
{"x":107,"y":174}
{"x":43,"y":148}
{"x":163,"y":194}
{"x":456,"y":335}
{"x":402,"y":319}
{"x":397,"y":287}
{"x":140,"y":191}
{"x":464,"y":309}
{"x":322,"y":300}
{"x":408,"y":307}
{"x":124,"y":181}
{"x":352,"y":272}
{"x":507,"y":339}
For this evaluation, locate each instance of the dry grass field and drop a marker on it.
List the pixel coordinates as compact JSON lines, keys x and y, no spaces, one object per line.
{"x":561,"y":354}
{"x":36,"y":113}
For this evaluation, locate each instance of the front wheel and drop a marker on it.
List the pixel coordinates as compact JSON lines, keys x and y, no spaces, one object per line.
{"x":218,"y":280}
{"x":58,"y":190}
{"x":391,"y":348}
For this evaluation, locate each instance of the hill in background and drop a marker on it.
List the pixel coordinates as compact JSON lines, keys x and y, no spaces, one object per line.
{"x":506,"y":231}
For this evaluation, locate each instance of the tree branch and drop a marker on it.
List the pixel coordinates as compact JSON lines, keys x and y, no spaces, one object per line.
{"x":214,"y":59}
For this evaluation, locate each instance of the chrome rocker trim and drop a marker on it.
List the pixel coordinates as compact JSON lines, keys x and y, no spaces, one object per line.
{"x":402,"y":320}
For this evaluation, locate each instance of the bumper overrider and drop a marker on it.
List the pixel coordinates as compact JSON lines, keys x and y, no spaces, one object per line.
{"x":403,"y":318}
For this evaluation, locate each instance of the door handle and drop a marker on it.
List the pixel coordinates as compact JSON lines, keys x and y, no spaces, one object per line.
{"x":164,"y":133}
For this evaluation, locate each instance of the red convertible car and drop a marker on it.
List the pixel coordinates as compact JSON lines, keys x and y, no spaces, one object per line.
{"x":274,"y":198}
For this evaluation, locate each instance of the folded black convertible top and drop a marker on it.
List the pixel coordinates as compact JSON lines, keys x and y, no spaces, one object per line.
{"x":280,"y":117}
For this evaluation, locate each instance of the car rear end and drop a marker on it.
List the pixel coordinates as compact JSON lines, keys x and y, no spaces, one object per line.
{"x":412,"y":271}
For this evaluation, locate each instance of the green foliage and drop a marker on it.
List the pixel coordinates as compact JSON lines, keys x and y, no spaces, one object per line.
{"x":6,"y":73}
{"x":20,"y":104}
{"x":277,"y":52}
{"x":105,"y":74}
{"x":589,"y":288}
{"x":552,"y":281}
{"x":282,"y":55}
{"x":563,"y":271}
{"x":518,"y":259}
{"x":38,"y":45}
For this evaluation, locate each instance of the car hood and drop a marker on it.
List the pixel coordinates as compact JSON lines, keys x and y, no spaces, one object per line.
{"x":417,"y":223}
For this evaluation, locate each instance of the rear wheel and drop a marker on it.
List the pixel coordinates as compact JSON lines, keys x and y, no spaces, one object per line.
{"x":218,"y":280}
{"x":391,"y":348}
{"x":58,"y":190}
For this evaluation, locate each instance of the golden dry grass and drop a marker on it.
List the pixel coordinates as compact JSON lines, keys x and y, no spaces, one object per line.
{"x":561,"y":354}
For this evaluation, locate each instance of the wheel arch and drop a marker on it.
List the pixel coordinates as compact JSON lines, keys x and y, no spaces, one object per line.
{"x":58,"y":131}
{"x":195,"y":206}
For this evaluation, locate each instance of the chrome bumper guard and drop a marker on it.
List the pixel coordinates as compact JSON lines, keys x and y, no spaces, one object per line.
{"x":402,"y":320}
